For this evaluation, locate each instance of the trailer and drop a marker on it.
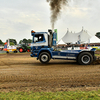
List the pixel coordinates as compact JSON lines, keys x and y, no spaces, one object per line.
{"x":44,"y":48}
{"x":10,"y":48}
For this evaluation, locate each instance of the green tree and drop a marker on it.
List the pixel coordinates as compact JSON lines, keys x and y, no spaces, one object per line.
{"x":98,"y":34}
{"x":14,"y":41}
{"x":1,"y":43}
{"x":11,"y":43}
{"x":29,"y":41}
{"x":21,"y":41}
{"x":25,"y":41}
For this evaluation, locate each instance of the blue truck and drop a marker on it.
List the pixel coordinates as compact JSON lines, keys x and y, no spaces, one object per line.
{"x":44,"y":48}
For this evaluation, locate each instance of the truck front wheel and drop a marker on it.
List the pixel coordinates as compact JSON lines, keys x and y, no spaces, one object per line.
{"x":85,"y":58}
{"x":44,"y":57}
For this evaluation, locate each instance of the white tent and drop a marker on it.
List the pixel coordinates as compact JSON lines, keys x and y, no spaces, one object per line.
{"x":93,"y":39}
{"x":69,"y":37}
{"x":61,"y":42}
{"x":80,"y":37}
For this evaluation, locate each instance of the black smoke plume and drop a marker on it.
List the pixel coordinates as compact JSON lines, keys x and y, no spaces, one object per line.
{"x":56,"y":7}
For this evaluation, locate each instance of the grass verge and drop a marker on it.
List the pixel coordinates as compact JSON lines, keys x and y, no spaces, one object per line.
{"x":98,"y":49}
{"x":70,"y":95}
{"x":98,"y":55}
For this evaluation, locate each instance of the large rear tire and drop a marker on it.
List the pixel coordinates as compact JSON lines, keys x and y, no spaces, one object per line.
{"x":21,"y":50}
{"x":85,"y":58}
{"x":28,"y":50}
{"x":44,"y":57}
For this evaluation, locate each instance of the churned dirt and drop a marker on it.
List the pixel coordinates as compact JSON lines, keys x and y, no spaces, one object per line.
{"x":20,"y":72}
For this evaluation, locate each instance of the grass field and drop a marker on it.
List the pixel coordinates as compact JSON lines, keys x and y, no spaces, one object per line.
{"x":70,"y":95}
{"x":98,"y":49}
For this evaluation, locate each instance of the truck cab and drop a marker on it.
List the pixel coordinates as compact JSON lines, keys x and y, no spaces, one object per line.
{"x":44,"y":48}
{"x":39,"y":39}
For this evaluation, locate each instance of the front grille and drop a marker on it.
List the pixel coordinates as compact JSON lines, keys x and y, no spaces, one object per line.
{"x":36,"y":51}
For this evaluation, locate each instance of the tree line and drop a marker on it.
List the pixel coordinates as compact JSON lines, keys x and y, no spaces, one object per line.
{"x":14,"y":42}
{"x":25,"y":41}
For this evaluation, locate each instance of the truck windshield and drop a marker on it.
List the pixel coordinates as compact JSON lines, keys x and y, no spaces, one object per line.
{"x":38,"y":37}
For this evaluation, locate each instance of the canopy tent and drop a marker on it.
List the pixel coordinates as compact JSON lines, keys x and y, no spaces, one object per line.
{"x":93,"y":39}
{"x":79,"y":37}
{"x":61,"y":42}
{"x":69,"y":37}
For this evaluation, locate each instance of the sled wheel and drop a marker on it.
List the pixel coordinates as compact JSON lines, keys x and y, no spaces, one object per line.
{"x":85,"y":58}
{"x":7,"y":52}
{"x":15,"y":51}
{"x":44,"y":57}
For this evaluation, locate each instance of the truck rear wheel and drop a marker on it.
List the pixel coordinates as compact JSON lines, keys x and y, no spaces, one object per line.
{"x":44,"y":57}
{"x":85,"y":58}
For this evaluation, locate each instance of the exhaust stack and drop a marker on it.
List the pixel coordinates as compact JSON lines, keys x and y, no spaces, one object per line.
{"x":50,"y":39}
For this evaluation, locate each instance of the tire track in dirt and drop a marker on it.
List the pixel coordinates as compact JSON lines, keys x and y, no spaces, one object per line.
{"x":24,"y":73}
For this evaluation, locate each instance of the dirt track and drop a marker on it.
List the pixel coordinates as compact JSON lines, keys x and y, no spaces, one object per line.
{"x":22,"y":73}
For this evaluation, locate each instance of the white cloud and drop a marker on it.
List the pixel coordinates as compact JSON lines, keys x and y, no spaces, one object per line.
{"x":18,"y":18}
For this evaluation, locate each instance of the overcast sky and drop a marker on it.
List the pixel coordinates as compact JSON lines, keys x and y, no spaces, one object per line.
{"x":19,"y":17}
